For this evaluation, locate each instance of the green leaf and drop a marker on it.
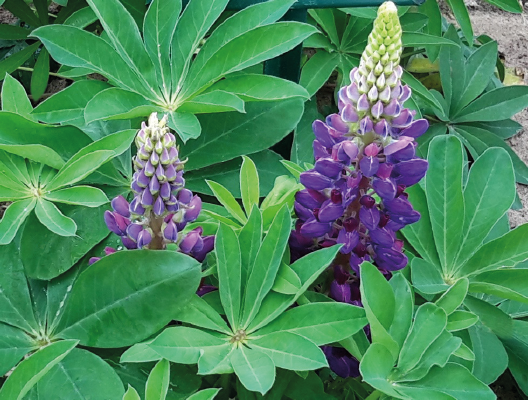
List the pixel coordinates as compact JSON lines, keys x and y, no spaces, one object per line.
{"x":124,"y":34}
{"x":325,"y":18}
{"x":158,"y":381}
{"x":116,"y":103}
{"x":249,"y":184}
{"x":14,"y":344}
{"x":42,"y":252}
{"x":51,"y":217}
{"x":507,"y":5}
{"x":251,"y":87}
{"x":79,"y":375}
{"x":445,"y":198}
{"x":269,"y":168}
{"x":420,"y":90}
{"x":80,"y":195}
{"x":266,"y":266}
{"x":32,"y":369}
{"x":131,"y":394}
{"x":462,"y":16}
{"x":40,"y":76}
{"x":199,"y":313}
{"x":479,"y":67}
{"x":454,"y":296}
{"x":188,"y":35}
{"x":302,"y":150}
{"x":462,"y":385}
{"x":14,"y":97}
{"x":74,"y":171}
{"x":69,"y":104}
{"x":491,"y":359}
{"x":290,"y":351}
{"x":158,"y":29}
{"x":497,"y":104}
{"x":506,"y":251}
{"x":248,"y":49}
{"x":213,"y":102}
{"x":460,"y":320}
{"x":419,"y":39}
{"x":438,"y":353}
{"x":503,"y":282}
{"x":500,"y":323}
{"x":379,"y":302}
{"x":250,"y":238}
{"x":317,"y":70}
{"x":216,"y":360}
{"x":206,"y":394}
{"x":375,"y":368}
{"x":491,"y":173}
{"x":427,"y":277}
{"x":321,"y":323}
{"x":35,"y":152}
{"x":307,"y":268}
{"x":16,"y":307}
{"x":78,"y":48}
{"x":119,"y":305}
{"x":404,"y":309}
{"x":420,"y":234}
{"x":13,"y":218}
{"x":185,"y":345}
{"x":429,"y":323}
{"x":227,"y":250}
{"x":228,"y":201}
{"x":270,"y":121}
{"x":255,"y":369}
{"x":81,"y":18}
{"x":504,"y":129}
{"x":186,"y":125}
{"x":481,"y":140}
{"x":11,"y":63}
{"x":13,"y":32}
{"x":287,"y":281}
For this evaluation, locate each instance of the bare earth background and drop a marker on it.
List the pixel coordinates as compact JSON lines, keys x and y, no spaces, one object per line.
{"x":511,"y":33}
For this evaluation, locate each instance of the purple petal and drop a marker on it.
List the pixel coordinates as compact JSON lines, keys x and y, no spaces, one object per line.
{"x":385,"y":188}
{"x":170,"y":232}
{"x":382,"y":237}
{"x":340,"y":292}
{"x":194,"y":209}
{"x":320,"y":130}
{"x":329,"y":167}
{"x":121,"y":206}
{"x":159,"y":206}
{"x":369,"y":217}
{"x":330,"y":211}
{"x":417,"y":128}
{"x":349,"y":239}
{"x":304,"y":198}
{"x":390,"y":259}
{"x":349,"y":114}
{"x":313,"y":228}
{"x":314,"y":180}
{"x":369,"y":166}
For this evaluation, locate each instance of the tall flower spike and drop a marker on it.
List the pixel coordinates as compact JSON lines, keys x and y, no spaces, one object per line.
{"x":161,"y":207}
{"x":365,"y":160}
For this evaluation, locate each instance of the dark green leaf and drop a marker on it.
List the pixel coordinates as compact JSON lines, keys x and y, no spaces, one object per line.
{"x":50,"y":216}
{"x":13,"y":32}
{"x":40,"y":76}
{"x":14,"y":61}
{"x":14,"y":98}
{"x":317,"y":70}
{"x":186,"y":125}
{"x":14,"y":345}
{"x":462,"y":16}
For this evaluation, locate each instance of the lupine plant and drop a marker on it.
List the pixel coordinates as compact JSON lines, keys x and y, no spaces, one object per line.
{"x":385,"y":267}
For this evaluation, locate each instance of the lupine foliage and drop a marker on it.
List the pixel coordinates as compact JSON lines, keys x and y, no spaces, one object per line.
{"x":341,"y":274}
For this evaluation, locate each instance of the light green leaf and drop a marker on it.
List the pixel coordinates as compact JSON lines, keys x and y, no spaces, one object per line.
{"x":251,"y":48}
{"x":490,"y":174}
{"x":14,"y":98}
{"x":266,"y":266}
{"x":255,"y":369}
{"x":325,"y":18}
{"x":13,"y":217}
{"x":35,"y":152}
{"x":116,"y":103}
{"x":213,"y":102}
{"x":78,"y":48}
{"x":131,"y":394}
{"x":51,"y":217}
{"x":216,"y":360}
{"x":78,"y":169}
{"x":80,"y":195}
{"x":250,"y":238}
{"x":14,"y":344}
{"x":249,"y":184}
{"x":228,"y":201}
{"x":69,"y":104}
{"x":199,"y":313}
{"x":206,"y":394}
{"x":40,"y":75}
{"x":251,"y":87}
{"x":158,"y":381}
{"x":429,"y":323}
{"x":184,"y":345}
{"x":404,"y":308}
{"x":375,"y":368}
{"x":227,"y":250}
{"x":317,"y":70}
{"x":455,"y":295}
{"x":124,"y":34}
{"x":287,"y":281}
{"x":426,"y":277}
{"x":119,"y":305}
{"x":158,"y":29}
{"x":419,"y":39}
{"x":321,"y":323}
{"x":32,"y":369}
{"x":506,"y":283}
{"x":460,"y":320}
{"x":445,"y":199}
{"x":497,"y":104}
{"x":81,"y":18}
{"x":186,"y":125}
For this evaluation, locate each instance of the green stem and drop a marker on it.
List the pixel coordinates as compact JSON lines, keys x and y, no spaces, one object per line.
{"x":374,"y":395}
{"x":51,"y":73}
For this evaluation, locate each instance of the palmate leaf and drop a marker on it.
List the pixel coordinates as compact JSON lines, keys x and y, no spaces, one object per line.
{"x":14,"y":98}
